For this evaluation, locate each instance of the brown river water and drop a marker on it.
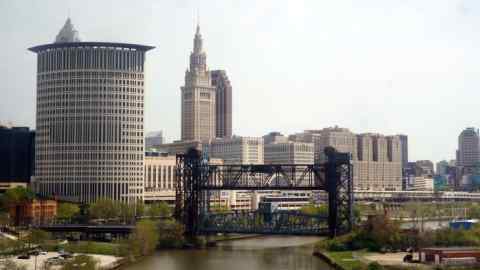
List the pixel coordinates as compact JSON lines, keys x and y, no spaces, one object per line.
{"x":263,"y":253}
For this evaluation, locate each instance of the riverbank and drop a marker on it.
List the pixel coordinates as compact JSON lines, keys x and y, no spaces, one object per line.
{"x":341,"y":260}
{"x":106,"y":262}
{"x":354,"y":260}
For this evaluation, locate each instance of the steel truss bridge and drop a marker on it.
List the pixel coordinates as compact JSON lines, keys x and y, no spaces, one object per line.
{"x":195,"y":179}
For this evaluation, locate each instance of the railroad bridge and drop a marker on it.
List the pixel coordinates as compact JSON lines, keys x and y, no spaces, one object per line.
{"x":196,"y":179}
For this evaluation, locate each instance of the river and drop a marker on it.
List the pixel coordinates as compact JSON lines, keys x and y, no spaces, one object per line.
{"x":263,"y":253}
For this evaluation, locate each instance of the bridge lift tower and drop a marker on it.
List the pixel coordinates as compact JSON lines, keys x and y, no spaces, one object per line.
{"x":195,"y":178}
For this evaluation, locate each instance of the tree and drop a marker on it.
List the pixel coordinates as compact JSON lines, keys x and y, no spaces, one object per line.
{"x":374,"y":266}
{"x":11,"y":265}
{"x":104,"y":209}
{"x":37,"y":237}
{"x":311,"y":209}
{"x":144,"y":239}
{"x":16,"y":195}
{"x":67,"y":210}
{"x":81,"y":262}
{"x":171,"y":234}
{"x":160,"y":209}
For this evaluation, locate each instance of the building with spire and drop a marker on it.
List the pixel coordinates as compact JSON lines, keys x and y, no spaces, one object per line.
{"x":89,"y":141}
{"x":198,"y":97}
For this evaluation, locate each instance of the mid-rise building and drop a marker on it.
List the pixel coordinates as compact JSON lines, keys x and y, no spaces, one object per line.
{"x":17,"y":156}
{"x":424,"y":167}
{"x":160,"y":177}
{"x":275,"y":137}
{"x":198,"y":96}
{"x":237,"y":150}
{"x":422,"y":183}
{"x":223,"y":103}
{"x":442,"y":167}
{"x":468,"y":148}
{"x":153,"y":139}
{"x":376,"y":158}
{"x":289,"y":153}
{"x":378,"y":164}
{"x":89,"y":140}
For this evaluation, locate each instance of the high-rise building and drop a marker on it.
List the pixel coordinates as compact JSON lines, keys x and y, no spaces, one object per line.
{"x":17,"y":156}
{"x":223,"y":103}
{"x":198,"y":96}
{"x":153,"y":139}
{"x":468,"y":148}
{"x":404,"y":145}
{"x":237,"y":150}
{"x":90,"y":100}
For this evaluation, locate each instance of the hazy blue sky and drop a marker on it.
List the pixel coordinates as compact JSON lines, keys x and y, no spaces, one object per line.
{"x":392,"y":67}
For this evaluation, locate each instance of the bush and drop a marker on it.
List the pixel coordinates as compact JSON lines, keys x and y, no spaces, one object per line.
{"x":374,"y":266}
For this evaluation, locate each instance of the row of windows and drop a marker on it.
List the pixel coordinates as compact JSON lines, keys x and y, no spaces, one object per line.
{"x":90,"y":58}
{"x":90,"y":74}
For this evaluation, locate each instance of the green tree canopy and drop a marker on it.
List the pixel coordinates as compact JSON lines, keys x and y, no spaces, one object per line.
{"x":160,"y":209}
{"x":17,"y":195}
{"x":144,"y":239}
{"x":67,"y":210}
{"x":104,"y":209}
{"x":37,"y":237}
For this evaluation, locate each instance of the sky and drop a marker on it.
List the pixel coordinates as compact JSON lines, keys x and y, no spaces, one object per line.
{"x":391,"y":67}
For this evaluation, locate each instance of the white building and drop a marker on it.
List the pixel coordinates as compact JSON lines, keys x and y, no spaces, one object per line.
{"x":289,"y":153}
{"x":237,"y":150}
{"x":423,"y":183}
{"x":160,"y":181}
{"x":90,"y":115}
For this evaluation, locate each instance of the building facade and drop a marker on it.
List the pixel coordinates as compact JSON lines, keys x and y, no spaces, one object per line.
{"x":90,"y":119}
{"x":198,"y":96}
{"x":17,"y":156}
{"x":376,"y":158}
{"x":160,"y":177}
{"x":468,"y":148}
{"x":404,"y":145}
{"x":33,"y":212}
{"x":223,"y":103}
{"x":153,"y":139}
{"x":237,"y":150}
{"x":289,"y":153}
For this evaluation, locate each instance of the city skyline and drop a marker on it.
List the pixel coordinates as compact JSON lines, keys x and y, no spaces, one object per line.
{"x":431,"y":99}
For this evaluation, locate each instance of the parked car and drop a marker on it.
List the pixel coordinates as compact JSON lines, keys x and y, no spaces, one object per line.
{"x":24,"y":257}
{"x":43,"y":253}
